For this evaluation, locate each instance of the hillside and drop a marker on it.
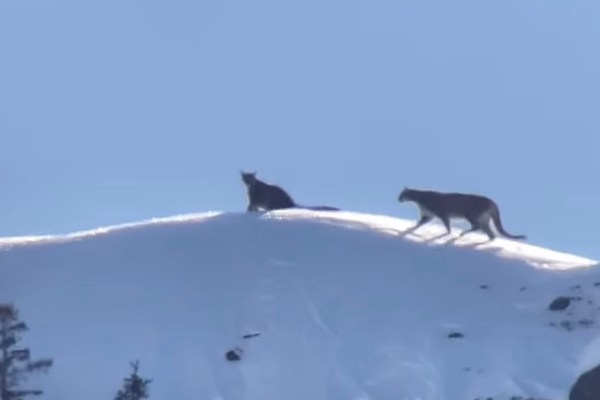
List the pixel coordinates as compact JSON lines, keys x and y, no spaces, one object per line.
{"x":344,"y":305}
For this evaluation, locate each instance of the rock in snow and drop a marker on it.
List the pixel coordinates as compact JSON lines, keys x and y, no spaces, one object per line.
{"x":560,"y":303}
{"x":587,"y":386}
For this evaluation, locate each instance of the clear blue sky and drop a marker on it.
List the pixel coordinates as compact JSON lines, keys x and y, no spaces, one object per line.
{"x":114,"y":111}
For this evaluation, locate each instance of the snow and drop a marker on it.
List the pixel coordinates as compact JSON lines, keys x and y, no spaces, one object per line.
{"x":347,"y":307}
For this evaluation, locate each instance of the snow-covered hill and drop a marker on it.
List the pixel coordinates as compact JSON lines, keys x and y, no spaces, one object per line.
{"x":346,"y":308}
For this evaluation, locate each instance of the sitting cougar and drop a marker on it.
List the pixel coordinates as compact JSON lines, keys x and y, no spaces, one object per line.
{"x":478,"y":210}
{"x":268,"y":197}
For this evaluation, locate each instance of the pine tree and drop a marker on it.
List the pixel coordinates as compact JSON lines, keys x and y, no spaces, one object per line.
{"x":134,"y":387}
{"x":16,"y":363}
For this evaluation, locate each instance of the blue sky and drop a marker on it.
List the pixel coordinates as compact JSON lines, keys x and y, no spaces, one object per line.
{"x":114,"y":111}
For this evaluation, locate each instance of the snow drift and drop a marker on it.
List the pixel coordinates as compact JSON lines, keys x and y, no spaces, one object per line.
{"x":342,"y":304}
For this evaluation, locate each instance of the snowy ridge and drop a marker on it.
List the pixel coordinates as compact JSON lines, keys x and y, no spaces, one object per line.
{"x":522,"y":250}
{"x":535,"y":255}
{"x":346,"y":308}
{"x":59,"y":238}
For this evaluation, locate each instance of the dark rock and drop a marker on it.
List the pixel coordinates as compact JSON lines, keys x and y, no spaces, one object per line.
{"x":597,"y":284}
{"x":251,"y":335}
{"x":455,"y":335}
{"x":587,"y":386}
{"x":483,"y":286}
{"x":586,"y":322}
{"x":523,"y":288}
{"x":234,"y":355}
{"x":568,"y":325}
{"x":560,"y":303}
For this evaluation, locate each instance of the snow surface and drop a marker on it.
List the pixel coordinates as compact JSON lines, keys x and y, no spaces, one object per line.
{"x":346,"y":306}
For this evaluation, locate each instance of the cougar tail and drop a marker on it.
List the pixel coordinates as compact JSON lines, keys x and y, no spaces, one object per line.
{"x":323,"y":208}
{"x":318,"y":208}
{"x":498,"y":222}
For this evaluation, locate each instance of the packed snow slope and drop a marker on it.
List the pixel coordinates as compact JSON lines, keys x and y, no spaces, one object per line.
{"x":345,"y":305}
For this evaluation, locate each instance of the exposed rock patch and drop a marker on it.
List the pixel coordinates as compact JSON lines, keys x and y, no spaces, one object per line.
{"x":561,"y":303}
{"x":587,"y":386}
{"x":234,"y":354}
{"x":250,"y":335}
